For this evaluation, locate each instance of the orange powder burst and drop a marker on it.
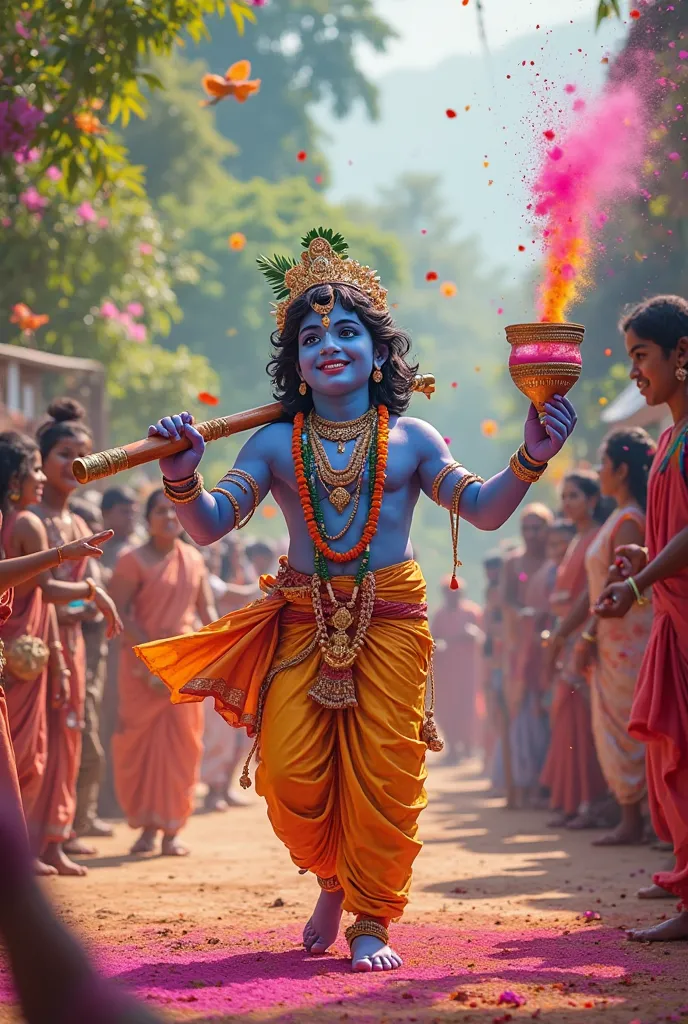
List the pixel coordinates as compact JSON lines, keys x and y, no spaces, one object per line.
{"x":448,"y":289}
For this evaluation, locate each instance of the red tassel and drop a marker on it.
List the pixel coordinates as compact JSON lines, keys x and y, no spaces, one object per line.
{"x":454,"y":584}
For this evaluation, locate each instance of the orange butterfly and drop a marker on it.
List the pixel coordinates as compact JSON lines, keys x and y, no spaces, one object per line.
{"x":26,"y":320}
{"x":235,"y":83}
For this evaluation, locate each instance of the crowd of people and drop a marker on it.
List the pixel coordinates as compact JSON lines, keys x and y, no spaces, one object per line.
{"x":95,"y":736}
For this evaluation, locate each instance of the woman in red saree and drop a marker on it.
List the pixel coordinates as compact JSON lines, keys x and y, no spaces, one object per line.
{"x":62,"y":438}
{"x":656,"y":335}
{"x":161,"y":589}
{"x":572,"y":772}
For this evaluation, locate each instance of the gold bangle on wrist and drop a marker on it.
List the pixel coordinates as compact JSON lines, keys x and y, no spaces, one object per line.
{"x":441,"y":477}
{"x":526,"y":455}
{"x":526,"y":476}
{"x":640,"y":600}
{"x":187,"y":495}
{"x":91,"y":588}
{"x":59,"y":553}
{"x":588,"y":637}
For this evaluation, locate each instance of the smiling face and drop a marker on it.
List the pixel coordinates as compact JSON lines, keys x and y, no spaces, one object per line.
{"x":576,"y":505}
{"x":31,"y":486}
{"x":653,"y":369}
{"x":338,"y":359}
{"x":57,"y":465}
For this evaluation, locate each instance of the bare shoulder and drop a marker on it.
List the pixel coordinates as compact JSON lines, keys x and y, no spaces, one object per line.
{"x":29,"y":527}
{"x":265,"y":438}
{"x":419,"y":433}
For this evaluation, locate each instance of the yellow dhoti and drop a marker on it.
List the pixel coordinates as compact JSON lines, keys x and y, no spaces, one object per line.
{"x":344,"y":788}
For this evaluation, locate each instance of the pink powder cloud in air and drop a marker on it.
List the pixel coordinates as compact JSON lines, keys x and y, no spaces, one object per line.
{"x":594,"y":166}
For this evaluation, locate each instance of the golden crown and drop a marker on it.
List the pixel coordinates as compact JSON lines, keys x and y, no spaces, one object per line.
{"x":324,"y":260}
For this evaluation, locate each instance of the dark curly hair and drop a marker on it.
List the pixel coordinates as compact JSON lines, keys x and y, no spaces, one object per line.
{"x":662,"y":319}
{"x":66,"y":418}
{"x":16,"y":451}
{"x":632,"y":447}
{"x":395,"y":388}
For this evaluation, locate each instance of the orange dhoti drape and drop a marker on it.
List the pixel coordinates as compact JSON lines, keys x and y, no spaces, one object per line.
{"x":157,"y":748}
{"x":344,"y":788}
{"x":659,"y":716}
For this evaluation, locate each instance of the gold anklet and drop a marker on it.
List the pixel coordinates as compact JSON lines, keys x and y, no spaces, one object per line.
{"x":372,"y":928}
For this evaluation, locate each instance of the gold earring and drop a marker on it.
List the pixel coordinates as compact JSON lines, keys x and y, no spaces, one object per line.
{"x":14,"y":496}
{"x":681,"y":373}
{"x":377,"y":374}
{"x":303,"y":388}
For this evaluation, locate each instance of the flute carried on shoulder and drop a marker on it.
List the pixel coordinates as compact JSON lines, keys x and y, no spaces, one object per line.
{"x":115,"y":460}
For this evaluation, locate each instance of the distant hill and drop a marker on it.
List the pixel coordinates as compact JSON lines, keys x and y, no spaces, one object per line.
{"x":505,"y":120}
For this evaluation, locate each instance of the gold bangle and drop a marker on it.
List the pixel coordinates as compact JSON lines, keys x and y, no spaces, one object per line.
{"x":636,"y":592}
{"x":588,"y":637}
{"x":91,"y":588}
{"x":234,"y":503}
{"x":459,"y":487}
{"x":526,"y":455}
{"x":187,"y":496}
{"x":441,"y":477}
{"x":179,"y":484}
{"x":526,"y":476}
{"x":60,"y":556}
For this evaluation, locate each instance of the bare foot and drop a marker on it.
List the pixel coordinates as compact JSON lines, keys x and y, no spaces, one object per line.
{"x":215,"y":804}
{"x":43,"y":870}
{"x":99,"y":829}
{"x":654,"y":892}
{"x":371,"y":954}
{"x":145,"y":842}
{"x":55,"y":857}
{"x":560,"y":820}
{"x":75,"y":847}
{"x":622,"y":836}
{"x":235,"y":799}
{"x":323,"y":927}
{"x":674,"y":929}
{"x":172,"y":847}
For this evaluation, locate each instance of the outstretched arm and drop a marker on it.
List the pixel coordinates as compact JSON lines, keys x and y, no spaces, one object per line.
{"x":210,"y":516}
{"x":489,"y":505}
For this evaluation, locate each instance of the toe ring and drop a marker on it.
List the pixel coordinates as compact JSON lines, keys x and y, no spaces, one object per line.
{"x":372,"y":928}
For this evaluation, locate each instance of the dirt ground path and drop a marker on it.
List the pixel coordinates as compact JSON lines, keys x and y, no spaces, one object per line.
{"x":497,"y":910}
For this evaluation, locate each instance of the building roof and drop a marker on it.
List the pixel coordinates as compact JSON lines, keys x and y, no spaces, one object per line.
{"x":49,"y":360}
{"x":630,"y":407}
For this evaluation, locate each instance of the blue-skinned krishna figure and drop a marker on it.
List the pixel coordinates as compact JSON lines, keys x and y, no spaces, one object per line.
{"x":330,"y":670}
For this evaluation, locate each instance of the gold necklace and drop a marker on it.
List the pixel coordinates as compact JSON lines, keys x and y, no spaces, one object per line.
{"x":341,"y":432}
{"x":339,"y":479}
{"x":357,"y":498}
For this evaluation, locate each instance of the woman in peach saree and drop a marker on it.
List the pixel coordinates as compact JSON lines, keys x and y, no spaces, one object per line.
{"x":161,"y":589}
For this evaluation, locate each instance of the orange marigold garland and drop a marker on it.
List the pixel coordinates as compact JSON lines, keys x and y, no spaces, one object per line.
{"x":370,"y":529}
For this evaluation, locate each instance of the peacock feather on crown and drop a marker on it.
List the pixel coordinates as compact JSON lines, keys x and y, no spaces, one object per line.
{"x":325,"y":260}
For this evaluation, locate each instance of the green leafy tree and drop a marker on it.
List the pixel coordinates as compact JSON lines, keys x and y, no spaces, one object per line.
{"x":64,"y":65}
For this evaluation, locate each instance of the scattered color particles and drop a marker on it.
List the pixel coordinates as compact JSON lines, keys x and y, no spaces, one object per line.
{"x":595,"y":165}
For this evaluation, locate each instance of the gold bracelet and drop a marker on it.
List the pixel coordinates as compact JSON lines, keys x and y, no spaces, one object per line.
{"x":588,"y":637}
{"x":234,"y":503}
{"x":179,"y":484}
{"x":187,"y":496}
{"x":526,"y":455}
{"x":527,"y":476}
{"x":640,"y":600}
{"x":60,"y":556}
{"x":91,"y":588}
{"x":460,"y":486}
{"x":441,"y":477}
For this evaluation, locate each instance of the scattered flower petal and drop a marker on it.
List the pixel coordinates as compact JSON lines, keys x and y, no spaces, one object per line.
{"x":236,"y":241}
{"x":448,"y":290}
{"x":207,"y":398}
{"x":489,"y":428}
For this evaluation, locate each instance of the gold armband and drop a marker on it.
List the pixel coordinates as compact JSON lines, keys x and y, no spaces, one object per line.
{"x":241,"y":475}
{"x":234,"y":503}
{"x":441,"y":477}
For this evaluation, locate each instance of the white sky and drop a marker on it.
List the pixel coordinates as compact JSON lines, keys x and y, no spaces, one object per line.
{"x":432,"y":30}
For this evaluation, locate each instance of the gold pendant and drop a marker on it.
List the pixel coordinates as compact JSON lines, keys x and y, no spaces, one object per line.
{"x":326,"y":321}
{"x":341,"y":447}
{"x":342,"y":619}
{"x":339,"y":498}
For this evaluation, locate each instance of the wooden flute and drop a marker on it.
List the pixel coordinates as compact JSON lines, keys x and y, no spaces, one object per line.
{"x":150,"y":449}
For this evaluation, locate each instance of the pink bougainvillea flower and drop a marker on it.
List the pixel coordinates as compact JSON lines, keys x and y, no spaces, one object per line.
{"x":27,"y":156}
{"x":137,"y":332}
{"x":86,"y":212}
{"x":6,"y":222}
{"x":109,"y":310}
{"x":674,"y":156}
{"x":21,"y":30}
{"x":33,"y":200}
{"x":145,"y":248}
{"x":53,"y":173}
{"x":135,"y":308}
{"x":103,"y":222}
